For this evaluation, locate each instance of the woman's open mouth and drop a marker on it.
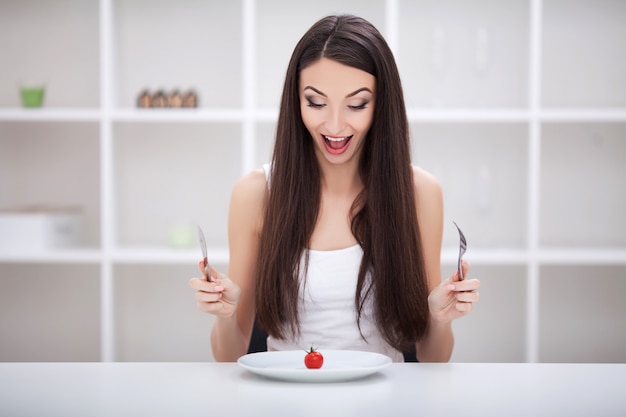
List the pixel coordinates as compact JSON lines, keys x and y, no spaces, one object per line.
{"x":336,"y":145}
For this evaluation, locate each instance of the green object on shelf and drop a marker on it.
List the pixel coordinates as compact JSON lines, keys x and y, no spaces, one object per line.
{"x":181,"y":236}
{"x":32,"y":96}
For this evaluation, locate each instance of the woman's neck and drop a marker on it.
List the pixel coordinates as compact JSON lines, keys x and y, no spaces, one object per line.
{"x":340,"y":179}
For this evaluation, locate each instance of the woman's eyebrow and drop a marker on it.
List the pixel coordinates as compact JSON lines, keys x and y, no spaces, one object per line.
{"x":308,"y":87}
{"x":354,"y":93}
{"x":358,"y":91}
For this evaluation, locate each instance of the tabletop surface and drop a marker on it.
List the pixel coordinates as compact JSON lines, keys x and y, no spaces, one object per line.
{"x":226,"y":389}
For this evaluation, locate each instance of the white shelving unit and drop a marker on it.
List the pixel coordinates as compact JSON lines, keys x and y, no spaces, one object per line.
{"x":519,"y":113}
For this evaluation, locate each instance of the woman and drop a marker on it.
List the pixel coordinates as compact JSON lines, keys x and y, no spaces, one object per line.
{"x":336,"y":244}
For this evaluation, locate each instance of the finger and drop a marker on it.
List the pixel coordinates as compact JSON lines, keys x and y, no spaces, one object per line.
{"x":464,"y":308}
{"x":201,"y":267}
{"x":447,"y":285}
{"x":455,"y":277}
{"x":201,"y":284}
{"x":464,"y":268}
{"x":215,"y":275}
{"x":198,"y":284}
{"x":208,"y":297}
{"x":467,"y":285}
{"x":212,"y":308}
{"x":468,"y":296}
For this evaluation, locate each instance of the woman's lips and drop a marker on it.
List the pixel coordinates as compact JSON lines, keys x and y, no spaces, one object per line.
{"x":336,"y":145}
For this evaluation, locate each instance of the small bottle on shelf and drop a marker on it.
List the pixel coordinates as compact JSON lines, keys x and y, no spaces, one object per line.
{"x":144,"y":100}
{"x":190,"y":99}
{"x":159,"y":99}
{"x":175,"y":99}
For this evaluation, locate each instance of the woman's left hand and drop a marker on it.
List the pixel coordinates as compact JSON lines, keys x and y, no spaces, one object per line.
{"x":453,"y":298}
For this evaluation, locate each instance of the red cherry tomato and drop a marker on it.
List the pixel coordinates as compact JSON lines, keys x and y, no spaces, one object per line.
{"x":313,"y":359}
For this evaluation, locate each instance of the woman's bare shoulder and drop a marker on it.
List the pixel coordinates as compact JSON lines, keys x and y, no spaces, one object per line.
{"x":247,"y":202}
{"x":425,"y":182}
{"x":428,"y":195}
{"x":250,"y":190}
{"x":254,"y":182}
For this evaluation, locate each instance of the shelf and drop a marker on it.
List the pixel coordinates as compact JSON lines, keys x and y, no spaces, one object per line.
{"x":544,"y":256}
{"x":583,"y":115}
{"x":178,"y":115}
{"x":56,"y":256}
{"x":219,"y":256}
{"x":46,"y":114}
{"x":468,"y":115}
{"x":265,"y":115}
{"x":582,"y":256}
{"x":236,"y":115}
{"x":514,"y":257}
{"x":161,"y":255}
{"x":134,"y":255}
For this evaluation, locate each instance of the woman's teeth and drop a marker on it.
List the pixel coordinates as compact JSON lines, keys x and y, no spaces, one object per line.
{"x":337,"y":142}
{"x":334,"y":139}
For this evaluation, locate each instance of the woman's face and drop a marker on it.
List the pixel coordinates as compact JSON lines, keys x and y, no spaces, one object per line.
{"x":337,"y":107}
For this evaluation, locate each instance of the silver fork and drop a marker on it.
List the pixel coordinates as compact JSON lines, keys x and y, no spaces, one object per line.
{"x":462,"y":249}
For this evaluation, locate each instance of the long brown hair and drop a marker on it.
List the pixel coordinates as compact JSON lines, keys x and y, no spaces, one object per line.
{"x":383,"y":215}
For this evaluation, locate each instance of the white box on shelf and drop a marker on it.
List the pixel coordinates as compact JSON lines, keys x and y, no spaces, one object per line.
{"x":37,"y":228}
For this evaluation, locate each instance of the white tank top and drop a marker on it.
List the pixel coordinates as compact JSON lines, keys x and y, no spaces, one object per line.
{"x":328,"y":318}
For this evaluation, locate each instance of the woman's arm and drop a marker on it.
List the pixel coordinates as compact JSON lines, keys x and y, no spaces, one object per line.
{"x":437,"y":344}
{"x":451,"y":298}
{"x":230,"y":335}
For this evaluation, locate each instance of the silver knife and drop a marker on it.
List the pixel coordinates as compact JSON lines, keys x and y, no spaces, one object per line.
{"x":205,"y":260}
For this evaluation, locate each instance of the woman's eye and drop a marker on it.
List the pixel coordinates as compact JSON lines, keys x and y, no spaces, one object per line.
{"x":360,"y":106}
{"x":313,"y":104}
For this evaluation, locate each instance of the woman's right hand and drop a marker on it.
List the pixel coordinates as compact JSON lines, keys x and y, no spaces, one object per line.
{"x":220,"y":297}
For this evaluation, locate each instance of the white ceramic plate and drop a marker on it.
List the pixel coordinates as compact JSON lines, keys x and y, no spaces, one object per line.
{"x":339,"y":365}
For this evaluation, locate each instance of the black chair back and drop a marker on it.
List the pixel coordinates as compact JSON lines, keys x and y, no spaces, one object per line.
{"x":258,"y":343}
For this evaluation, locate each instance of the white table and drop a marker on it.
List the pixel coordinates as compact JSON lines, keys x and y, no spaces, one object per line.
{"x":225,"y":389}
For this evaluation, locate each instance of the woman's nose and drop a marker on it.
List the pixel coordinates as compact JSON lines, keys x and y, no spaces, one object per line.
{"x":335,"y":122}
